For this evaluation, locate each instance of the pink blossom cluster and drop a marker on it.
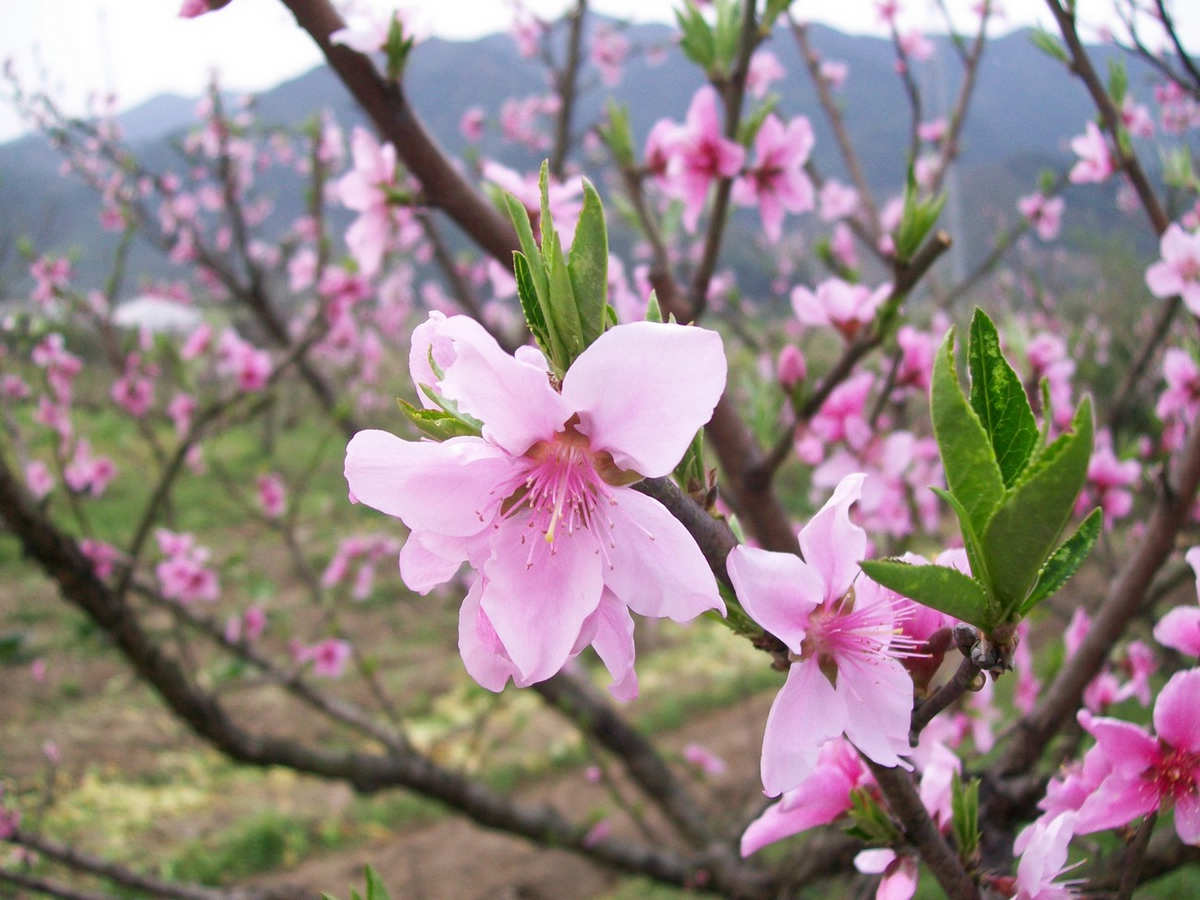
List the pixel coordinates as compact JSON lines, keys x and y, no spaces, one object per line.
{"x":242,"y":360}
{"x":86,"y":472}
{"x":1044,"y":213}
{"x":50,"y":275}
{"x":248,"y":627}
{"x":608,"y":50}
{"x":1178,"y":271}
{"x":328,"y":657}
{"x":368,"y":550}
{"x":185,"y":574}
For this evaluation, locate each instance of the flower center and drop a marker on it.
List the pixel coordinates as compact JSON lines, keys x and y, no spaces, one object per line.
{"x":1176,"y":774}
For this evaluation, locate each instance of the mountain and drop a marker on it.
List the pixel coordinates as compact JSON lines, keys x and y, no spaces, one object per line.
{"x":1025,"y":108}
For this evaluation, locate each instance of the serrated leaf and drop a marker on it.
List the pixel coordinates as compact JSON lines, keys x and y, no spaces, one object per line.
{"x":531,"y":308}
{"x":1065,"y":561}
{"x":971,"y":471}
{"x":999,"y":399}
{"x":1025,"y":529}
{"x":520,"y":219}
{"x":587,"y":265}
{"x":938,"y":587}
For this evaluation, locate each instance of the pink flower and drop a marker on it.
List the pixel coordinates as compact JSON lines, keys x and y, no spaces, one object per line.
{"x":702,"y":154}
{"x":1108,"y":483}
{"x":254,"y":622}
{"x":764,"y":70}
{"x":272,"y":497}
{"x":704,"y":760}
{"x":39,"y":479}
{"x":608,"y":51}
{"x":842,"y":415}
{"x":790,"y":367}
{"x":329,"y":657}
{"x":197,"y":342}
{"x":933,"y":130}
{"x":1095,"y":159}
{"x":1044,"y":859}
{"x":540,"y":504}
{"x":1181,"y":398}
{"x":1148,"y":773}
{"x":50,"y":276}
{"x":1136,"y":118}
{"x":1045,"y":214}
{"x":564,"y":197}
{"x":837,"y":200}
{"x":777,"y":181}
{"x":184,"y":575}
{"x":1180,"y":628}
{"x":1178,"y":272}
{"x":834,"y":72}
{"x":471,"y":124}
{"x":88,"y":473}
{"x":838,"y":304}
{"x":366,"y":34}
{"x":900,"y":872}
{"x":37,"y":670}
{"x":842,"y":246}
{"x":251,"y":366}
{"x":832,"y":618}
{"x":180,"y":410}
{"x":817,"y":800}
{"x":103,"y":556}
{"x":364,"y":189}
{"x":915,"y":46}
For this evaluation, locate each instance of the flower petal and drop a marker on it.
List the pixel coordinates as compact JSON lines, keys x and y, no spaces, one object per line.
{"x":653,"y":564}
{"x":444,"y":488}
{"x":874,"y":862}
{"x":482,"y":653}
{"x":513,"y":399}
{"x":806,"y":713}
{"x":613,"y":643}
{"x":831,"y":543}
{"x":1129,"y":748}
{"x":777,"y":590}
{"x":538,"y":593}
{"x":644,"y":389}
{"x":1175,"y":711}
{"x":818,"y":801}
{"x":1118,"y":800}
{"x":428,"y":559}
{"x":1187,"y":816}
{"x":877,"y":695}
{"x":1179,"y":629}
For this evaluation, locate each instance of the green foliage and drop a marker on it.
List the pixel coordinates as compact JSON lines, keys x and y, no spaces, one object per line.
{"x":617,"y":134}
{"x":396,"y":48}
{"x":748,"y":130}
{"x":712,"y":47}
{"x":439,"y":424}
{"x":696,"y":39}
{"x":1013,"y":492}
{"x":917,"y":220}
{"x":773,"y":10}
{"x":564,"y":298}
{"x":964,"y":807}
{"x":1048,"y":44}
{"x":871,"y":823}
{"x":999,"y":400}
{"x":375,"y":888}
{"x":1118,"y":81}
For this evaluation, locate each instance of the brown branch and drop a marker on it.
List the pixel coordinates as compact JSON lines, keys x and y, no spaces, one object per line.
{"x":813,"y":60}
{"x":959,"y":684}
{"x":1135,"y":853}
{"x":388,"y":108}
{"x":902,"y":799}
{"x":566,"y":81}
{"x":62,"y":560}
{"x":51,"y":888}
{"x":713,"y":536}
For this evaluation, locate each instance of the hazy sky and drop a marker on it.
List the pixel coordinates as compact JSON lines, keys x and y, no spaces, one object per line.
{"x":138,"y":48}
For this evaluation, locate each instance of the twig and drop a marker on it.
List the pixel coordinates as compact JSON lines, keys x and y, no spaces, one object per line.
{"x":1132,"y":863}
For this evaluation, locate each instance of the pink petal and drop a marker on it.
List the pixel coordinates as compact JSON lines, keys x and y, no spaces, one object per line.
{"x":428,"y":559}
{"x":482,"y":653}
{"x":1177,"y":713}
{"x":901,"y":883}
{"x":444,"y":488}
{"x":537,"y":594}
{"x":806,"y":713}
{"x":653,"y":564}
{"x":1176,"y":244}
{"x":1118,"y":800}
{"x":1129,"y":748}
{"x":1179,"y":629}
{"x":644,"y":389}
{"x":1163,"y":280}
{"x":613,"y":643}
{"x":818,"y":801}
{"x":874,"y":862}
{"x":878,"y":697}
{"x":833,"y":545}
{"x":1187,"y":816}
{"x":809,"y":310}
{"x":514,"y":400}
{"x":777,"y":590}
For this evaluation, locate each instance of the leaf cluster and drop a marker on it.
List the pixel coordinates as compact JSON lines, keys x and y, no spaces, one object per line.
{"x":1012,"y":489}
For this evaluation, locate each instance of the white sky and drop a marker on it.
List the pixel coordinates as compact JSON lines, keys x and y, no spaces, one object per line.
{"x":139,"y":48}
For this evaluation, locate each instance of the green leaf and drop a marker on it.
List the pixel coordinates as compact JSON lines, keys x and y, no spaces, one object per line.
{"x":617,"y":134}
{"x":535,"y":316}
{"x":998,"y":398}
{"x":974,"y":548}
{"x":439,"y":424}
{"x":748,"y":130}
{"x":565,"y":325}
{"x":691,"y":468}
{"x":696,"y":39}
{"x":653,"y":310}
{"x":772,"y":12}
{"x":1048,"y":44}
{"x":375,"y":888}
{"x":1118,"y":81}
{"x":971,"y":470}
{"x":1024,"y":530}
{"x":938,"y":587}
{"x":587,"y":265}
{"x":917,"y":219}
{"x":1065,"y":561}
{"x":964,"y":807}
